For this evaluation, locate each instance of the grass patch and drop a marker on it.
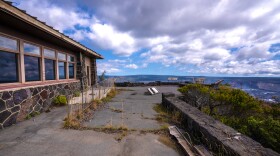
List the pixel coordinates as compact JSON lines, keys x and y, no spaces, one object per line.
{"x":72,"y":123}
{"x":167,"y":116}
{"x":113,"y":109}
{"x":28,"y":116}
{"x":120,"y":136}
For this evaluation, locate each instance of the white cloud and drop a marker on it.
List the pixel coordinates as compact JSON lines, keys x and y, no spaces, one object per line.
{"x":55,"y":16}
{"x":132,"y":66}
{"x":108,"y":67}
{"x":231,"y":37}
{"x":109,"y":38}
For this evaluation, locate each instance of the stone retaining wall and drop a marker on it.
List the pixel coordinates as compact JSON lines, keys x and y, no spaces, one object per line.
{"x":213,"y":133}
{"x":15,"y":105}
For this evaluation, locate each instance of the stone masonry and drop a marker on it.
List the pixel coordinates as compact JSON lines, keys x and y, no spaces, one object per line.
{"x":214,"y":134}
{"x":15,"y":105}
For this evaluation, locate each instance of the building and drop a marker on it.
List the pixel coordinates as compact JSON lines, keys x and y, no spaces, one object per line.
{"x":37,"y":63}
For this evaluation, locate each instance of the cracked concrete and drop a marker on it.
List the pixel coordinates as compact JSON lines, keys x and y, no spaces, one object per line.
{"x":43,"y":135}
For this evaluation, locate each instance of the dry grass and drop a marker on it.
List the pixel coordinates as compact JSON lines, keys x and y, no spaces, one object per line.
{"x":167,"y":141}
{"x":121,"y":135}
{"x":166,"y":116}
{"x":113,"y":109}
{"x":72,"y":123}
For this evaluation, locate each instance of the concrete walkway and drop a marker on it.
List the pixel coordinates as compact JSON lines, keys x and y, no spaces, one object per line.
{"x":43,"y":135}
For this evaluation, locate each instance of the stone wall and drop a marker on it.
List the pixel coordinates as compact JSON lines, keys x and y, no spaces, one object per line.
{"x":214,"y":134}
{"x":81,"y":70}
{"x":93,"y":72}
{"x":15,"y":105}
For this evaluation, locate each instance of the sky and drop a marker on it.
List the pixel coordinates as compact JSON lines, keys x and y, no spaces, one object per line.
{"x":171,"y":37}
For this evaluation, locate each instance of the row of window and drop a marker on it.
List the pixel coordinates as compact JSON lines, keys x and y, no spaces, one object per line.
{"x":53,"y":61}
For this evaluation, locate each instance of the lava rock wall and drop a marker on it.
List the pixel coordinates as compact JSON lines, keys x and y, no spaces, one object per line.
{"x":16,"y":105}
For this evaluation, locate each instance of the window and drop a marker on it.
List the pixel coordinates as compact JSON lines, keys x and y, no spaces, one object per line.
{"x":71,"y":58}
{"x":32,"y":68}
{"x":49,"y":53}
{"x":71,"y":70}
{"x":50,"y":69}
{"x":8,"y":43}
{"x":61,"y":69}
{"x":31,"y":49}
{"x":61,"y":56}
{"x":9,"y":67}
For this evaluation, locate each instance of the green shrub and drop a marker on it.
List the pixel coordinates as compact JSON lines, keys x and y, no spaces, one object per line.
{"x":77,"y":93}
{"x":252,"y":117}
{"x":60,"y":100}
{"x":35,"y":113}
{"x":28,"y":117}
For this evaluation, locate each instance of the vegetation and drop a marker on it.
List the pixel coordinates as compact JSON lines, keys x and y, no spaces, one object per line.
{"x":77,"y":93}
{"x":60,"y":100}
{"x":236,"y":108}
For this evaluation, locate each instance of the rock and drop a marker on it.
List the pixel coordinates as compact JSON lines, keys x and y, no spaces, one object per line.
{"x":10,"y":103}
{"x":19,"y":96}
{"x":15,"y":109}
{"x":25,"y":109}
{"x":11,"y":120}
{"x":37,"y":108}
{"x":35,"y":92}
{"x":4,"y":115}
{"x":66,"y":87}
{"x":51,"y":94}
{"x":44,"y":94}
{"x":6,"y":96}
{"x":2,"y":105}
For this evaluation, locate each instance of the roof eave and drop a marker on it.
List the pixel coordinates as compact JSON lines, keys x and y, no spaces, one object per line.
{"x":22,"y":15}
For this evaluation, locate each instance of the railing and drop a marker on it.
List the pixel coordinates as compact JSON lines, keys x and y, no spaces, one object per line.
{"x":87,"y":96}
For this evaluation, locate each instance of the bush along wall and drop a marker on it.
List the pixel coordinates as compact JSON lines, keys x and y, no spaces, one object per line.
{"x":18,"y":105}
{"x":216,"y":136}
{"x":255,"y":118}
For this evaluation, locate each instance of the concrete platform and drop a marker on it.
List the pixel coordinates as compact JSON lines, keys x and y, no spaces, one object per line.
{"x":45,"y":136}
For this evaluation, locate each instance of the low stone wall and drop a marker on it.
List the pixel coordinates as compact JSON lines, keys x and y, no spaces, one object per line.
{"x":15,"y":105}
{"x":213,"y":133}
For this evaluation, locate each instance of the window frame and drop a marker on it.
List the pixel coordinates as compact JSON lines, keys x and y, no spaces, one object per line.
{"x":43,"y":52}
{"x":18,"y":58}
{"x":73,"y":62}
{"x":55,"y":64}
{"x":20,"y":54}
{"x":13,"y":38}
{"x":33,"y":55}
{"x":37,"y":45}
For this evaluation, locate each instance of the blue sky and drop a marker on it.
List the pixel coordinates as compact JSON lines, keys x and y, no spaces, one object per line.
{"x":163,"y":37}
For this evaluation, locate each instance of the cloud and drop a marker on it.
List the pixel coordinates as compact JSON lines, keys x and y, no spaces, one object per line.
{"x":223,"y":37}
{"x":132,"y":66}
{"x":108,"y":67}
{"x":108,"y":38}
{"x":56,"y":16}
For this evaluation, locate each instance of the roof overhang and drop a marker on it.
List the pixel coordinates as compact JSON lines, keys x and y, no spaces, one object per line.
{"x":21,"y":15}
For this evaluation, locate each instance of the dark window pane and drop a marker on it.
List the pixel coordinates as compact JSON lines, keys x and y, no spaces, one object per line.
{"x":32,"y":68}
{"x":8,"y":43}
{"x":31,"y":49}
{"x":49,"y":69}
{"x":61,"y":69}
{"x":8,"y":67}
{"x":71,"y":58}
{"x":71,"y":70}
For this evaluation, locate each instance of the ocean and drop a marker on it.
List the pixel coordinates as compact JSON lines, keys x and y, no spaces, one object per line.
{"x":264,"y":88}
